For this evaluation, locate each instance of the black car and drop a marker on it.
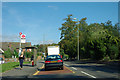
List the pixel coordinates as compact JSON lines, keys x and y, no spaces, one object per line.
{"x":53,"y":61}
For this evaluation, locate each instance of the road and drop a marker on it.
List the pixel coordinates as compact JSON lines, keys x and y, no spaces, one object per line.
{"x":78,"y":70}
{"x":72,"y":70}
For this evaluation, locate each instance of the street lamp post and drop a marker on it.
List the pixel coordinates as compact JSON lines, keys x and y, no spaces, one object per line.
{"x":44,"y":45}
{"x":78,"y":36}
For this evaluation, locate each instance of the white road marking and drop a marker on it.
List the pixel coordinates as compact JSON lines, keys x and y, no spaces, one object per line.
{"x":88,"y":74}
{"x":66,"y":64}
{"x":74,"y":68}
{"x":71,"y":67}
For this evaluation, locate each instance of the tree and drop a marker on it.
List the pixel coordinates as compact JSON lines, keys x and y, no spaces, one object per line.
{"x":97,"y":40}
{"x":68,"y":37}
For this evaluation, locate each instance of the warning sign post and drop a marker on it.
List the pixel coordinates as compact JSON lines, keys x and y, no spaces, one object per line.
{"x":22,"y":40}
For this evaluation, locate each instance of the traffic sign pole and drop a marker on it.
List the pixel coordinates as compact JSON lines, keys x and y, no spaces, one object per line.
{"x":20,"y":45}
{"x":22,"y":40}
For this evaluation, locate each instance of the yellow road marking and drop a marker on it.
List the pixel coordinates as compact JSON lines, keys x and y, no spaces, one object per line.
{"x":38,"y":71}
{"x":43,"y":67}
{"x":70,"y":70}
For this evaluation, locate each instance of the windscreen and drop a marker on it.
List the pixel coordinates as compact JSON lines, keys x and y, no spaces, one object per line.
{"x":53,"y":57}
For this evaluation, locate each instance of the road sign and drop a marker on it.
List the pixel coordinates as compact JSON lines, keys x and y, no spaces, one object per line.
{"x":23,"y":40}
{"x":20,"y":33}
{"x":23,"y":36}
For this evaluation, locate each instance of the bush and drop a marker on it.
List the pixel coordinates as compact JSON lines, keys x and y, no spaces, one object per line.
{"x":66,"y":56}
{"x":8,"y":53}
{"x":62,"y":52}
{"x":92,"y":53}
{"x":28,"y":54}
{"x":16,"y":53}
{"x":114,"y":52}
{"x":106,"y":58}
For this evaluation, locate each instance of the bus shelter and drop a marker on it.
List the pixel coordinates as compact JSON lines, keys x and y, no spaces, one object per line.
{"x":35,"y":54}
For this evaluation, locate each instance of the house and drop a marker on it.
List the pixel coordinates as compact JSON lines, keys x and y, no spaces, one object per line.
{"x":15,"y":46}
{"x":1,"y":54}
{"x":1,"y":51}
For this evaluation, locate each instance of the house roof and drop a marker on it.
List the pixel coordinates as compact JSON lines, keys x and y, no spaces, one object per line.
{"x":1,"y":51}
{"x":14,"y":45}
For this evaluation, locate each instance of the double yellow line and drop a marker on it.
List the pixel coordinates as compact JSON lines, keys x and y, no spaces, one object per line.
{"x":38,"y":71}
{"x":43,"y":67}
{"x":70,"y":69}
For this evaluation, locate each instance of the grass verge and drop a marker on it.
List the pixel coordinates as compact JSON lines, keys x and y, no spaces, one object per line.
{"x":10,"y":65}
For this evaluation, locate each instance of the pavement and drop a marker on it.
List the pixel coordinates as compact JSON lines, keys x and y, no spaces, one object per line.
{"x":27,"y":70}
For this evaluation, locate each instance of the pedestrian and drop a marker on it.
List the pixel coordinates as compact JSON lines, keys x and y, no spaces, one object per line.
{"x":21,"y":59}
{"x":32,"y":57}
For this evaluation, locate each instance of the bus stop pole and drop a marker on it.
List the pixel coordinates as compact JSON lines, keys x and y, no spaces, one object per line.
{"x":35,"y":56}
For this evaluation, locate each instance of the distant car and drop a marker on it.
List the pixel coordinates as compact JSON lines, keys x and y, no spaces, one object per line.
{"x":2,"y":61}
{"x":53,"y":61}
